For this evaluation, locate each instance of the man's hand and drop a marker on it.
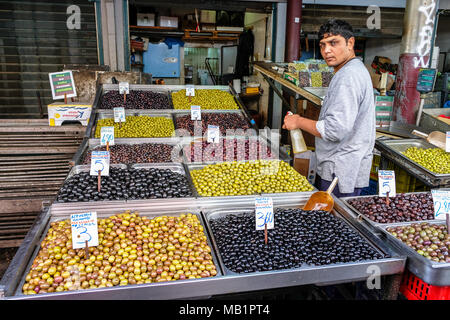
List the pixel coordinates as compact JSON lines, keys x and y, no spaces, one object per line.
{"x":291,"y":122}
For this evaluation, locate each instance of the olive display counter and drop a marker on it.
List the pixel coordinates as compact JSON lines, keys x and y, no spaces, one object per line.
{"x":394,"y":150}
{"x":411,"y":231}
{"x":307,"y":271}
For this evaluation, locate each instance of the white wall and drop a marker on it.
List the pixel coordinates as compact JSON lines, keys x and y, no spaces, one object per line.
{"x":382,"y":47}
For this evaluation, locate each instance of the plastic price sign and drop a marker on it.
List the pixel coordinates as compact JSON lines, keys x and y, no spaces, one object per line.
{"x":447,"y":141}
{"x":264,"y":213}
{"x":99,"y":162}
{"x":386,"y":183}
{"x":107,"y":136}
{"x":84,"y":230}
{"x":124,"y":88}
{"x":441,"y":203}
{"x":196,"y":114}
{"x":62,"y":85}
{"x":119,"y":114}
{"x":213,"y":134}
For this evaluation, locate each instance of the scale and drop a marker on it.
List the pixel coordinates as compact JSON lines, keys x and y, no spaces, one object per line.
{"x":425,"y":84}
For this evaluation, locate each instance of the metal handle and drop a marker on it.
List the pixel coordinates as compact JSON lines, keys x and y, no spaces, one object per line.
{"x":420,"y":134}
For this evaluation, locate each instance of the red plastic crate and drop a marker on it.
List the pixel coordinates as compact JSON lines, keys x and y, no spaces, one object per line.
{"x":413,"y":288}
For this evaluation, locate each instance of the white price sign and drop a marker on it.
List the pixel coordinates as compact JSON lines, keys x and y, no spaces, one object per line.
{"x":213,"y":134}
{"x":386,"y":183}
{"x":99,"y":162}
{"x":441,"y":203}
{"x":447,"y":141}
{"x":196,"y":113}
{"x":84,"y":228}
{"x":107,"y":135}
{"x":119,"y":114}
{"x":264,"y":213}
{"x":190,"y":91}
{"x":124,"y":87}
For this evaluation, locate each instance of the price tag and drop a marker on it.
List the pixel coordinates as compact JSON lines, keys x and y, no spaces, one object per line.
{"x":386,"y":183}
{"x":447,"y":141}
{"x":441,"y":203}
{"x":196,"y":113}
{"x":124,"y":87}
{"x":264,"y":213}
{"x":119,"y":114}
{"x":84,"y":228}
{"x":213,"y":134}
{"x":107,"y":135}
{"x":99,"y":162}
{"x":190,"y":91}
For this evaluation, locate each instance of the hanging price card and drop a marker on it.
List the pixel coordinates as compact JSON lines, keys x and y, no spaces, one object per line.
{"x":119,"y":114}
{"x":213,"y":134}
{"x":386,"y":183}
{"x":99,"y":162}
{"x":264,"y":213}
{"x":196,"y":113}
{"x":190,"y":91}
{"x":107,"y":136}
{"x":447,"y":141}
{"x":441,"y":203}
{"x":84,"y":230}
{"x":124,"y":87}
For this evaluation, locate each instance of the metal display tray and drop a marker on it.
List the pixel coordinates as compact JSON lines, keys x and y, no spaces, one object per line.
{"x":219,"y":213}
{"x":157,"y":89}
{"x":110,"y":114}
{"x":228,"y":89}
{"x":205,"y":287}
{"x":282,"y":155}
{"x":92,"y":143}
{"x":197,"y":166}
{"x":36,"y":236}
{"x":431,"y":272}
{"x":236,"y":111}
{"x":393,"y":150}
{"x":358,"y":215}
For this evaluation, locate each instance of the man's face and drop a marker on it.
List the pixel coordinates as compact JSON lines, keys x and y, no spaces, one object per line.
{"x":335,"y":50}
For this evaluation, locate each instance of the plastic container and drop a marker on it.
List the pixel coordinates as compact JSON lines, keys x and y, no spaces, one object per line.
{"x":298,"y":142}
{"x":413,"y":288}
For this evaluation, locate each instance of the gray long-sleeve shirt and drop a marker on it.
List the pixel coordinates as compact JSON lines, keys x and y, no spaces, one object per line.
{"x":347,"y":126}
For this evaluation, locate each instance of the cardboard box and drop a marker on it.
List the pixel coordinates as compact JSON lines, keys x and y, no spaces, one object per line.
{"x":146,"y":19}
{"x":60,"y":112}
{"x":376,"y":79}
{"x":208,"y":16}
{"x":305,"y":163}
{"x":169,"y":22}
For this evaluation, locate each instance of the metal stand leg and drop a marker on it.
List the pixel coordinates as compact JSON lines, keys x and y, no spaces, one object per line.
{"x":392,"y":284}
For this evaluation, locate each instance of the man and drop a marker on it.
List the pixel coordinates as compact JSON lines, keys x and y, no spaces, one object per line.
{"x":345,"y":131}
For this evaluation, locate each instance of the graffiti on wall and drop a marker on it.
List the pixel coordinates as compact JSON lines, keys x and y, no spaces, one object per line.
{"x":426,"y":34}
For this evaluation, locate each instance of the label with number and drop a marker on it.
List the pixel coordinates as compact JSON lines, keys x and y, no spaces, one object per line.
{"x":190,"y":91}
{"x":213,"y":134}
{"x":84,"y":228}
{"x":441,"y":203}
{"x":386,"y":183}
{"x":196,"y":113}
{"x":107,"y":135}
{"x":99,"y":162}
{"x":447,"y":141}
{"x":119,"y":114}
{"x":264,"y":213}
{"x":124,"y":87}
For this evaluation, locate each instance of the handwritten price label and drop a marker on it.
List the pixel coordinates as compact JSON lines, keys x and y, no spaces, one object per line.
{"x":190,"y":91}
{"x":124,"y":87}
{"x":119,"y":114}
{"x":264,"y":213}
{"x":213,"y":134}
{"x":447,"y":141}
{"x":84,"y":228}
{"x":107,"y":135}
{"x":441,"y":203}
{"x":386,"y":183}
{"x":196,"y":113}
{"x":99,"y":162}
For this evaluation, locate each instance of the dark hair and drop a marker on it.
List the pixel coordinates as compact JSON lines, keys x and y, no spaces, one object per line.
{"x":336,"y":27}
